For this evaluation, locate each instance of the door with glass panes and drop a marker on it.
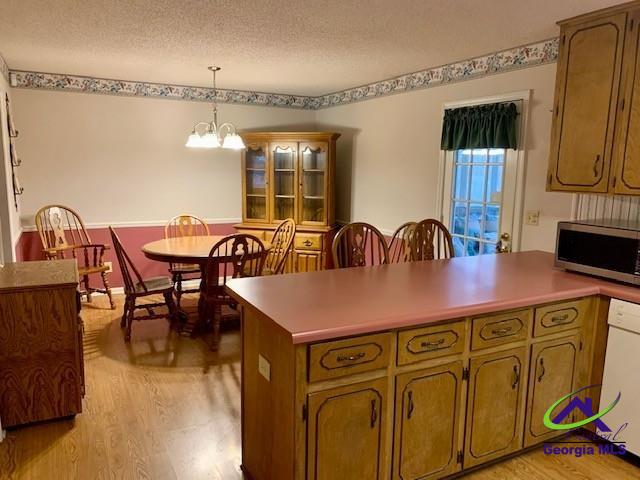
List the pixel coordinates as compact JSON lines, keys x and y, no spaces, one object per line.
{"x":284,"y":161}
{"x":256,"y":185}
{"x":314,"y":161}
{"x":479,"y":198}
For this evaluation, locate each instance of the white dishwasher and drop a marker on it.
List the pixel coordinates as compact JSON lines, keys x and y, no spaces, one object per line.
{"x":622,"y":373}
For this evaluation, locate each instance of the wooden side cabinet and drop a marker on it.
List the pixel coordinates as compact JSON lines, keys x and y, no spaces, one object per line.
{"x":41,"y":360}
{"x":291,"y":175}
{"x":595,"y":131}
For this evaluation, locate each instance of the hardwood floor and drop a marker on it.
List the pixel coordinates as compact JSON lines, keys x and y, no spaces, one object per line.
{"x":165,"y":407}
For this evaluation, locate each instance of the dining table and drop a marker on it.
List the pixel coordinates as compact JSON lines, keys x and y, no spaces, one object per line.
{"x":187,"y":250}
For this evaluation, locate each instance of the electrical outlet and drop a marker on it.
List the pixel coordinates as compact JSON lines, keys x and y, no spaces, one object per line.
{"x":533,"y":218}
{"x":109,"y":265}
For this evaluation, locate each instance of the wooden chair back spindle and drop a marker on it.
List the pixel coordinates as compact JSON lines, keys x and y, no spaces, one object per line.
{"x":400,"y":245}
{"x":281,"y":246}
{"x":126,"y":266}
{"x":359,"y":244}
{"x":431,"y":241}
{"x":185,"y":225}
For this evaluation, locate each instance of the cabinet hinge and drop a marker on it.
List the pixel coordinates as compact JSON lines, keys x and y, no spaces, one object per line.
{"x":563,"y":38}
{"x":460,"y":456}
{"x":631,"y":25}
{"x":557,"y":110}
{"x":614,"y":182}
{"x":465,"y":373}
{"x":580,"y":346}
{"x":550,"y":178}
{"x":304,"y":412}
{"x":622,"y":104}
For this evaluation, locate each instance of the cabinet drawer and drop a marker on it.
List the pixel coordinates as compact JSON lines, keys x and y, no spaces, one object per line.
{"x":308,"y":241}
{"x":499,"y":329}
{"x":346,"y":357}
{"x":559,"y":317}
{"x":256,"y":233}
{"x":428,"y":342}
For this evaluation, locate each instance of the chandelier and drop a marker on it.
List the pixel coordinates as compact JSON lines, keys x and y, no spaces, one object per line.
{"x":211,"y":134}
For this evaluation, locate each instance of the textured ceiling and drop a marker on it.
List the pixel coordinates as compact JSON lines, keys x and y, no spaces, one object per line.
{"x":307,"y":47}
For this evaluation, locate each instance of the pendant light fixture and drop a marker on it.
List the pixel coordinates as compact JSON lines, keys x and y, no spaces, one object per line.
{"x":212,"y":135}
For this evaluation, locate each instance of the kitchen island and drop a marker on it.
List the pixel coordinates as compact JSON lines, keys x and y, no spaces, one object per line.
{"x":415,"y":370}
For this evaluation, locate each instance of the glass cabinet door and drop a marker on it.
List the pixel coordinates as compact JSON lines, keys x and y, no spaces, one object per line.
{"x":283,"y":162}
{"x":256,"y":183}
{"x":314,"y":159}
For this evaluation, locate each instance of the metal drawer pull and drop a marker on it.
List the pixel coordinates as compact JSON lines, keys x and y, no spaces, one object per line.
{"x":410,"y":405}
{"x":350,"y":358}
{"x":307,"y":243}
{"x":501,"y":331}
{"x":560,"y":318}
{"x":432,"y":345}
{"x":542,"y":370}
{"x":516,"y":379}
{"x":374,"y":413}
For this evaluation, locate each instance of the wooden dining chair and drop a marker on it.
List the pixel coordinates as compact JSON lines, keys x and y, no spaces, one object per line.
{"x":63,"y":235}
{"x":281,"y":247}
{"x":135,"y":287}
{"x":400,"y":245}
{"x":359,"y":244}
{"x":235,"y":256}
{"x":184,"y":225}
{"x":431,"y":241}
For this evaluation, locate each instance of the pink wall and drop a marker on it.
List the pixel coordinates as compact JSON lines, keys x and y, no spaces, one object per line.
{"x":30,"y":248}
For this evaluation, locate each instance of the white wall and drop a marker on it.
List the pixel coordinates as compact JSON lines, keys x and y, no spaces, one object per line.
{"x":123,"y":159}
{"x":389,"y":152}
{"x":9,"y":216}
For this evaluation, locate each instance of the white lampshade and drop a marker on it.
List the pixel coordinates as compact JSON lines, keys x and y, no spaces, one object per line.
{"x":210,"y":140}
{"x":194,"y":141}
{"x":233,"y":141}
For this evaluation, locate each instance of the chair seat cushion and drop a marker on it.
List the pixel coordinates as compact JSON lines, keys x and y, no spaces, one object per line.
{"x":185,"y":268}
{"x":91,"y":269}
{"x":155,"y":284}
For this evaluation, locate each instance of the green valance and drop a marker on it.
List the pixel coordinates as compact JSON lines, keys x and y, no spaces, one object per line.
{"x":482,"y":126}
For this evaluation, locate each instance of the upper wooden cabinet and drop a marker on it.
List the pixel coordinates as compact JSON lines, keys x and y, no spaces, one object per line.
{"x":595,"y":136}
{"x":291,"y":175}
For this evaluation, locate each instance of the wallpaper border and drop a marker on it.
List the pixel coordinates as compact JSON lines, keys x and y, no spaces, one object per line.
{"x":534,"y":54}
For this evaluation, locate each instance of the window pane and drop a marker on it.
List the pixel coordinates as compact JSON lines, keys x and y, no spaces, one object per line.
{"x":480,"y":155}
{"x":477,"y":182}
{"x":494,"y":184}
{"x":458,"y":246}
{"x":488,"y":247}
{"x":491,"y":222}
{"x":461,"y":185}
{"x":463,"y":156}
{"x":459,"y":218}
{"x":473,"y":247}
{"x":474,"y":227}
{"x":496,"y":155}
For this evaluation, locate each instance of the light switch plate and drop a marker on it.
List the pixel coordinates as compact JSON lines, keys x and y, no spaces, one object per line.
{"x":533,"y":217}
{"x":264,"y":367}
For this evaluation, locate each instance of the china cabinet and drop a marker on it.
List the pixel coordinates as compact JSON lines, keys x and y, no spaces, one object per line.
{"x":291,"y":175}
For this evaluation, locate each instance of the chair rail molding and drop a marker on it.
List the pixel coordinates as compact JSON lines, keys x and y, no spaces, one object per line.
{"x":530,"y":55}
{"x":29,"y":227}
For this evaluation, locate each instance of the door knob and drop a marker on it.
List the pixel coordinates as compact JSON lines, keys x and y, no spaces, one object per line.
{"x":504,"y":244}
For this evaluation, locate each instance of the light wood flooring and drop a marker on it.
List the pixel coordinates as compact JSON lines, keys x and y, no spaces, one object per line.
{"x":165,"y":407}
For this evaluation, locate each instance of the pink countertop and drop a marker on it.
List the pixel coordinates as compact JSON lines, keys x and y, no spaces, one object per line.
{"x":338,"y":303}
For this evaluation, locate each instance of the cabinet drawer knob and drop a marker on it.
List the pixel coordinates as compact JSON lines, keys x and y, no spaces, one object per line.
{"x":350,"y":358}
{"x":432,"y":345}
{"x":560,"y":318}
{"x":307,"y":243}
{"x":501,"y":331}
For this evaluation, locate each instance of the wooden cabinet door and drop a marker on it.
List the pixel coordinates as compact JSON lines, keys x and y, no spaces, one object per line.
{"x":346,"y":432}
{"x":255,"y":183}
{"x":626,"y":179}
{"x":552,"y":375}
{"x":283,"y":160}
{"x":586,"y":104}
{"x":308,"y":261}
{"x":314,"y":184}
{"x":427,"y":420}
{"x":494,"y":412}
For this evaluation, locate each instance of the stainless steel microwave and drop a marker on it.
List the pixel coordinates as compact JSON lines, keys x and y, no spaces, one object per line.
{"x":605,"y":248}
